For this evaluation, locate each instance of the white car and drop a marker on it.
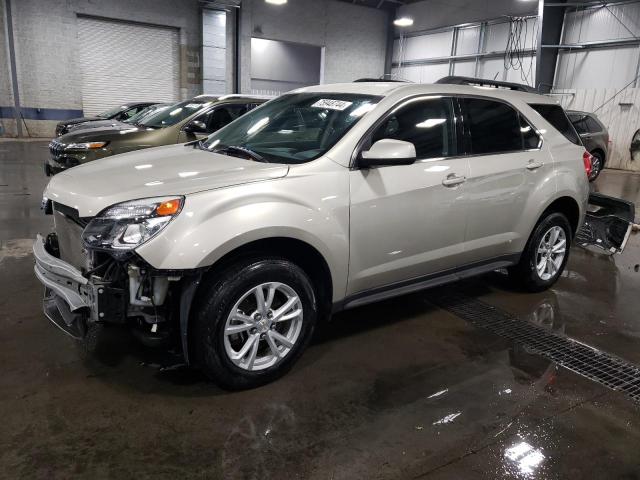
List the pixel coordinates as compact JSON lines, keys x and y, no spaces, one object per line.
{"x":326,"y":198}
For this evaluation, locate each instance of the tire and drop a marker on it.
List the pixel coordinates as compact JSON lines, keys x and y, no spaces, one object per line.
{"x":526,"y":272}
{"x":236,"y":288}
{"x":597,"y":166}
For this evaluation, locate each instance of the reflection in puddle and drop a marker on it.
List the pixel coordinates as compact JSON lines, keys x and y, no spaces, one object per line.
{"x":524,"y":457}
{"x":448,"y":419}
{"x":254,"y":447}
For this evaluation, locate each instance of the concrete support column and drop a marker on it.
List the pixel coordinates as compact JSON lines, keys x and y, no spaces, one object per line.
{"x":17,"y":113}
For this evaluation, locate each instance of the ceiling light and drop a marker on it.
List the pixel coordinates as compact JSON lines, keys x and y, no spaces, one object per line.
{"x":403,"y":22}
{"x":276,"y":2}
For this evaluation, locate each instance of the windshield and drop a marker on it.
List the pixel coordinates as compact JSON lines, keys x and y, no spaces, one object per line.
{"x":145,"y":112}
{"x":112,"y":112}
{"x":174,"y":114}
{"x":294,"y":128}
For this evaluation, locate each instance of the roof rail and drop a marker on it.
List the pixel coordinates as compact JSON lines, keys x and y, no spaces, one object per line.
{"x":481,"y":82}
{"x":364,"y":80}
{"x":242,"y":95}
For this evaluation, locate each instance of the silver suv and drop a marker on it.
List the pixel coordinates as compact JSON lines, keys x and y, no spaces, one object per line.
{"x":326,"y":198}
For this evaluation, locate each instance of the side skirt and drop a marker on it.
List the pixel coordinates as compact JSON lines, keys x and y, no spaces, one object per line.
{"x":427,"y":281}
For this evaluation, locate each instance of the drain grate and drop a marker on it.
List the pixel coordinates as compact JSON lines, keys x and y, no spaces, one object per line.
{"x":601,"y":367}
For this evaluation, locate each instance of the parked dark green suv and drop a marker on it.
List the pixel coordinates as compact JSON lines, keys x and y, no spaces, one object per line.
{"x":182,"y":122}
{"x":121,"y":112}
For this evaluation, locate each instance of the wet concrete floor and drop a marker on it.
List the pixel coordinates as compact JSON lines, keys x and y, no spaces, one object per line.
{"x":400,"y":389}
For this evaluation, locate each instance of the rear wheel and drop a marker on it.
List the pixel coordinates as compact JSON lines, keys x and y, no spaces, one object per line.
{"x":253,"y":322}
{"x":545,"y":255}
{"x":597,"y":164}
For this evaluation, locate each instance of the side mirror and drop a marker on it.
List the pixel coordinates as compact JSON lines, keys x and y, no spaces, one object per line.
{"x":388,"y":152}
{"x":195,"y":126}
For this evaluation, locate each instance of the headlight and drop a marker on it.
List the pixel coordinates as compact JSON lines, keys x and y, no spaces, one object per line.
{"x":86,"y":146}
{"x":125,"y":226}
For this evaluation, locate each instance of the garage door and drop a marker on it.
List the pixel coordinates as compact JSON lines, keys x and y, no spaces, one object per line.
{"x":124,"y":62}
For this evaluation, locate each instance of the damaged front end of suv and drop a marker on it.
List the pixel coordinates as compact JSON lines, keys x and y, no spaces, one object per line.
{"x":92,"y":274}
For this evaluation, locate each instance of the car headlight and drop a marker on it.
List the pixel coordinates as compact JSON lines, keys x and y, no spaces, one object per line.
{"x":126,"y":225}
{"x":86,"y":146}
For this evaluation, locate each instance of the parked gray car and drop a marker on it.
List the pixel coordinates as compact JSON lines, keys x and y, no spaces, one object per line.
{"x":595,"y":138}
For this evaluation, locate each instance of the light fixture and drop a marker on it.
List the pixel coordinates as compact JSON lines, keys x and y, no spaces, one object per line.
{"x":276,"y":2}
{"x":403,"y":22}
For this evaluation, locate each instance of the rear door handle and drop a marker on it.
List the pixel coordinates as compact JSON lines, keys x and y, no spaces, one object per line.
{"x":533,"y":165}
{"x":452,"y":180}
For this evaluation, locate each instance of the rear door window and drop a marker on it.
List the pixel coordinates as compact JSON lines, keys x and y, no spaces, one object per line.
{"x":222,"y":116}
{"x":592,"y":125}
{"x":554,"y":114}
{"x":427,"y":123}
{"x":495,"y":127}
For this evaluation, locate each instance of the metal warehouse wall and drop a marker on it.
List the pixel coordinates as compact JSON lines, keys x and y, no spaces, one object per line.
{"x":604,"y":60}
{"x":431,"y":14}
{"x":433,"y":48}
{"x":47,"y":55}
{"x":354,"y":37}
{"x":620,"y":115}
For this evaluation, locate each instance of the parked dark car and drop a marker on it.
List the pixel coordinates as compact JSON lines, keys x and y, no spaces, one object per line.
{"x":595,"y":138}
{"x":121,"y":112}
{"x":182,"y":122}
{"x":132,"y":120}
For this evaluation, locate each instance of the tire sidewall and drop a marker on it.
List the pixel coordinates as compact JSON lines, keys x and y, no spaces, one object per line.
{"x":531,"y":273}
{"x":212,"y":315}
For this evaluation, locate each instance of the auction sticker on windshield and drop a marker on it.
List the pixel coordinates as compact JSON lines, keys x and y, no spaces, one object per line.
{"x":332,"y":104}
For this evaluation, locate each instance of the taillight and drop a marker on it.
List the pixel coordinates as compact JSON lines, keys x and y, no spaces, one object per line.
{"x":586,"y":159}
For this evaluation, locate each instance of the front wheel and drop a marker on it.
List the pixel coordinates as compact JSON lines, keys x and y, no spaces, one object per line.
{"x":545,"y":254}
{"x":253,"y":322}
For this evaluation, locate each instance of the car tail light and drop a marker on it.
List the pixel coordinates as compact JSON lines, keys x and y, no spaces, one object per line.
{"x":586,"y":159}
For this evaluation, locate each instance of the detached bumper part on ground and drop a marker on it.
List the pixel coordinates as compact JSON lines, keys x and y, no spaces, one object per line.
{"x":608,"y":223}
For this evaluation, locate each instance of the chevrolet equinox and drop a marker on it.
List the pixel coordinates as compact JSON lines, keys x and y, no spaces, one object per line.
{"x":323,"y":199}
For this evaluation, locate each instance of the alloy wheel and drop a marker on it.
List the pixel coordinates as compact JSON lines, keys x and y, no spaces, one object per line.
{"x":596,"y":166}
{"x":263,"y":326}
{"x":551,"y":252}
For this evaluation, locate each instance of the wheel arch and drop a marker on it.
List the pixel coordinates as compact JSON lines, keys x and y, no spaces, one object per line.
{"x":602,"y":154}
{"x":569,"y":207}
{"x":302,"y":253}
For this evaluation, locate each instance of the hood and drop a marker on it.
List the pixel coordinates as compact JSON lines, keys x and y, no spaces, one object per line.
{"x":71,"y":121}
{"x":94,"y":124}
{"x":153,"y":172}
{"x":108,"y":131}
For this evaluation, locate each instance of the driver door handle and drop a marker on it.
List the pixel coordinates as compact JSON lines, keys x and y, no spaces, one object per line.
{"x":452,"y":180}
{"x":533,"y":165}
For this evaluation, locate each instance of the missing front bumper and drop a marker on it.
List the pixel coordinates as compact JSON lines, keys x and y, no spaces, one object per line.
{"x":68,"y":296}
{"x":608,"y":223}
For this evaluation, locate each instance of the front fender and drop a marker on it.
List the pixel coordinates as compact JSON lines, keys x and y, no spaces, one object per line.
{"x":309,"y":208}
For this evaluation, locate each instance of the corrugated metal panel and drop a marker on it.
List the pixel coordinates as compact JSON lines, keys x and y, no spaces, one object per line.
{"x":496,"y":37}
{"x":422,"y":73}
{"x":622,"y":121}
{"x":123,"y":62}
{"x":432,"y":45}
{"x":526,"y":74}
{"x":597,"y":68}
{"x":467,"y":40}
{"x":465,"y":69}
{"x":214,"y":43}
{"x":491,"y":69}
{"x":595,"y":24}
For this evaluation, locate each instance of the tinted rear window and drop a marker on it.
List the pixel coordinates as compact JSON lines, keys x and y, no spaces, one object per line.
{"x":554,"y":114}
{"x":496,"y":127}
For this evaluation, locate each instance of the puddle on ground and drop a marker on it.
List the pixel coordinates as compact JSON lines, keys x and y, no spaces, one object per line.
{"x":17,"y":248}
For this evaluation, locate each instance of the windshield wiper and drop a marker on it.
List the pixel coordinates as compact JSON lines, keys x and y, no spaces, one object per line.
{"x":228,"y":149}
